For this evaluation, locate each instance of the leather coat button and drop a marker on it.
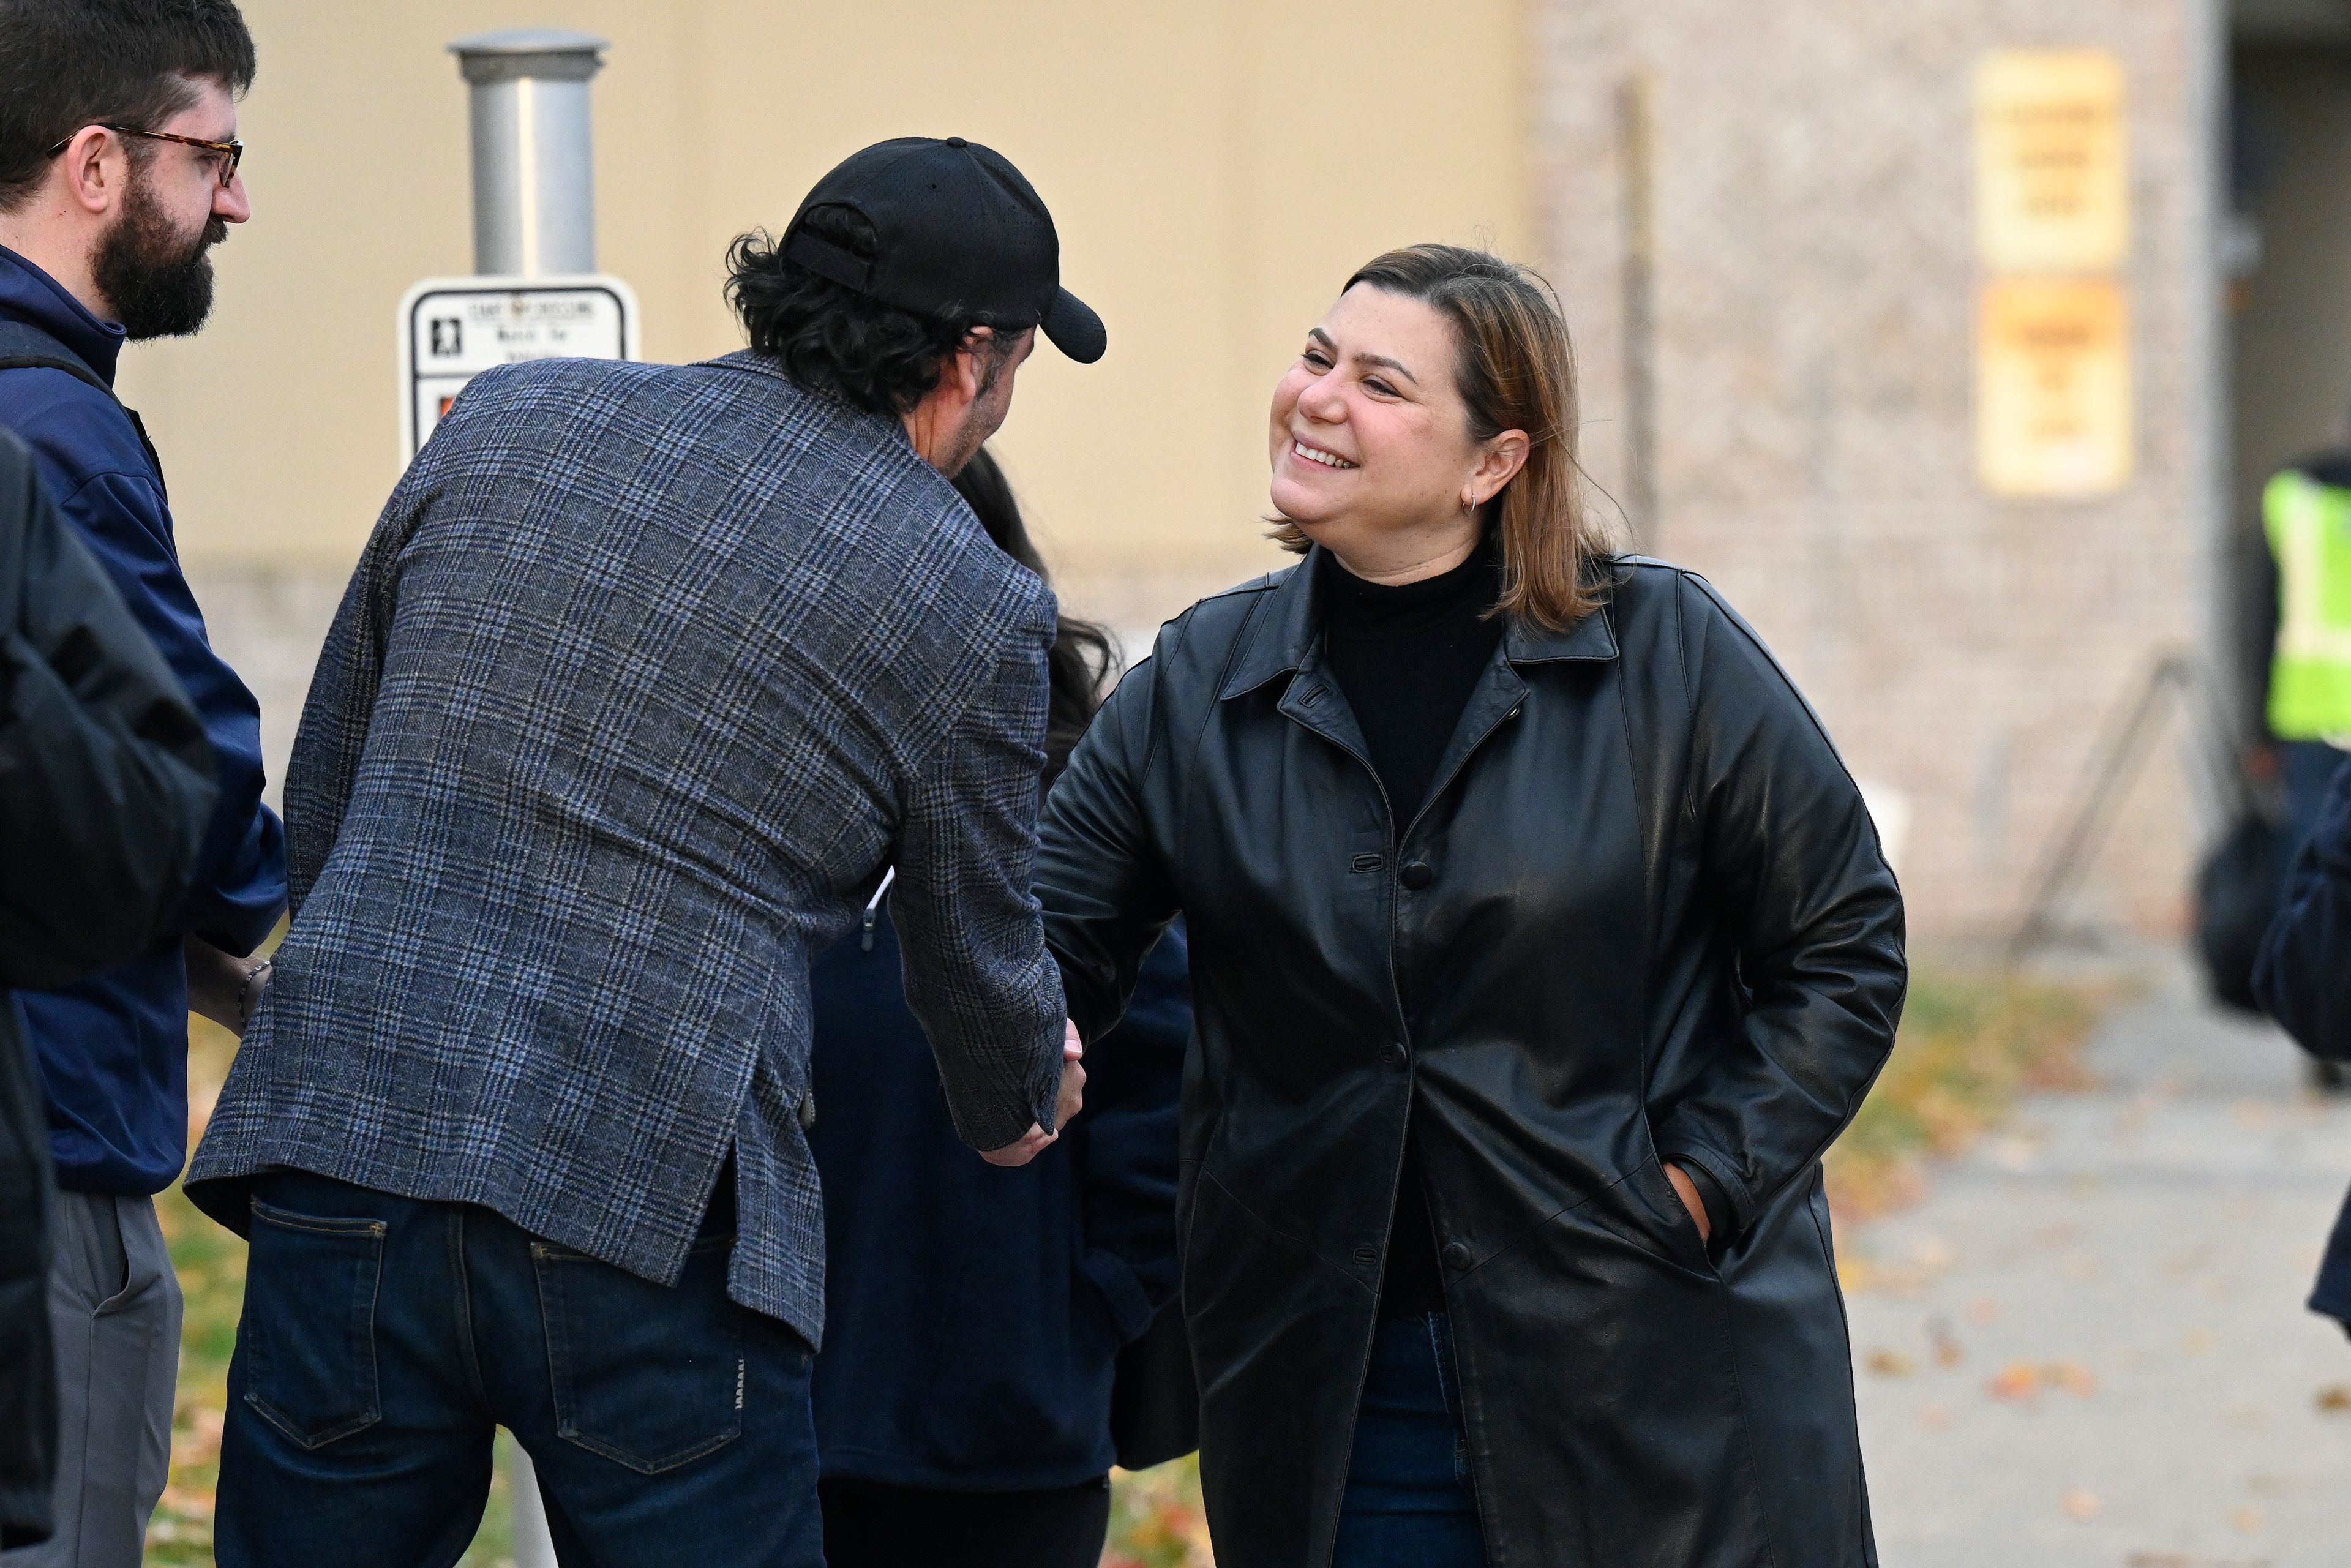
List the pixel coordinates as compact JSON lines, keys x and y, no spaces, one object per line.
{"x":1390,"y":1056}
{"x":1456,"y":1255}
{"x":1416,"y":875}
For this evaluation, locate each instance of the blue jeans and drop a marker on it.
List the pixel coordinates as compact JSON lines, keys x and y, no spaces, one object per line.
{"x":384,"y":1339}
{"x":1409,"y":1502}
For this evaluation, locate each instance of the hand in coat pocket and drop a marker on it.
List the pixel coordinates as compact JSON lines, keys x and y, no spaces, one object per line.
{"x":1687,"y":1190}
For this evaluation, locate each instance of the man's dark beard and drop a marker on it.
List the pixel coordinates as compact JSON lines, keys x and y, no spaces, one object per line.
{"x":160,"y":283}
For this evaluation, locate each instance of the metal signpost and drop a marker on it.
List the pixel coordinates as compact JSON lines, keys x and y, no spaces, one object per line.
{"x":535,"y":295}
{"x":453,"y":328}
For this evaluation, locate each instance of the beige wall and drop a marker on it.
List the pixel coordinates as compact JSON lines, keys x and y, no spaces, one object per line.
{"x":1215,"y":167}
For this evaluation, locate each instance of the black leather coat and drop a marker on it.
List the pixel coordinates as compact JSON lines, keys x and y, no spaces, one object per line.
{"x":1642,"y":915}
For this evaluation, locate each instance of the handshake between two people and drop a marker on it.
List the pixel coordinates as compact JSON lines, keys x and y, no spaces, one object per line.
{"x":1065,"y":1105}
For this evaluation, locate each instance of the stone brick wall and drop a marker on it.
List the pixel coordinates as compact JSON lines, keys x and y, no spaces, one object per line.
{"x":1814,"y":282}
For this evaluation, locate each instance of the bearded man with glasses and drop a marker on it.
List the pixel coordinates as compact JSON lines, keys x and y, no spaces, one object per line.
{"x":118,"y":175}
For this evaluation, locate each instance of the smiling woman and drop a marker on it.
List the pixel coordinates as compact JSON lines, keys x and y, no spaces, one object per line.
{"x":1447,"y":373}
{"x":1540,"y":944}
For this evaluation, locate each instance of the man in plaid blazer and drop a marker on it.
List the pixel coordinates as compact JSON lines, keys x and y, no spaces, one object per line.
{"x":646,"y":677}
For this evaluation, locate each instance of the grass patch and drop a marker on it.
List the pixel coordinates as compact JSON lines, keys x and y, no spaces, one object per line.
{"x":211,"y":1265}
{"x":1970,"y":1044}
{"x":1156,"y":1519}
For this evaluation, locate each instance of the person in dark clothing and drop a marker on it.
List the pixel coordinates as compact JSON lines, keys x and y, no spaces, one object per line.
{"x":119,"y":159}
{"x":1407,"y":656}
{"x":2304,"y":982}
{"x":2306,"y":515}
{"x":976,"y":1313}
{"x":106,"y":785}
{"x":647,"y":676}
{"x":1540,"y":944}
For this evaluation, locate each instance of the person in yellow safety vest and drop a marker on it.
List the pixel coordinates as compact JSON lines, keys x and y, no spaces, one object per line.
{"x":2306,"y":511}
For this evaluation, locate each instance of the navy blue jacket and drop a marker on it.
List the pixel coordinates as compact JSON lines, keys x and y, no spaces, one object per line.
{"x":113,"y":1049}
{"x":2304,"y":982}
{"x":973,"y":1315}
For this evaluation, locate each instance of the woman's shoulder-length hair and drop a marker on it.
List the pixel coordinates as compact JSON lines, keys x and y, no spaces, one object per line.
{"x":1515,"y":371}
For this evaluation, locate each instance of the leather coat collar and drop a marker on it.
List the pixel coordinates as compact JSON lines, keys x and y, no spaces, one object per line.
{"x":1289,"y":625}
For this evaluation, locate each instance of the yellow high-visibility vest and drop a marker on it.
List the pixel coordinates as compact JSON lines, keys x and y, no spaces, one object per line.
{"x":2309,"y":527}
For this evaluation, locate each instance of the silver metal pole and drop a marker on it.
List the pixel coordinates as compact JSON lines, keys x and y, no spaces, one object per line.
{"x":534,"y":154}
{"x":534,"y":214}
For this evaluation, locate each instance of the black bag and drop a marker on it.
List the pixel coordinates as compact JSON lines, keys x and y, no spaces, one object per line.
{"x":2237,"y":894}
{"x":1154,"y":1396}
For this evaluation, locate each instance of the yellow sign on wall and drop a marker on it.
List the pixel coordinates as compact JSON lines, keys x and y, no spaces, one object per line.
{"x":2053,"y":386}
{"x":2053,"y":178}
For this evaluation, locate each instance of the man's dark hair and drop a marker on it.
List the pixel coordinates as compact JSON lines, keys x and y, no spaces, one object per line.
{"x":66,"y":64}
{"x":832,"y":338}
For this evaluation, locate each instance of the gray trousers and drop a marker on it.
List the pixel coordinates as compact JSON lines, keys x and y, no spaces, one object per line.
{"x":114,"y":1305}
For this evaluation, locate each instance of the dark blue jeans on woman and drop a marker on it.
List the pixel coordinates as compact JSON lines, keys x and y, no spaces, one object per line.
{"x":385,"y":1338}
{"x":1409,"y":1502}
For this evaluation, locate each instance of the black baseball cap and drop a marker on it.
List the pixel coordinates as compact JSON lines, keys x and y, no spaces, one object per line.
{"x":955,"y":226}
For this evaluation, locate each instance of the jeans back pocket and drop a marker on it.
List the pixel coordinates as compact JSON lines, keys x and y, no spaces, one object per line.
{"x":648,"y":1376}
{"x":307,"y":1336}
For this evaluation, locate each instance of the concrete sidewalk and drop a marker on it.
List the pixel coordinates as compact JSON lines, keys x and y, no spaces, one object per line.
{"x":2088,"y":1347}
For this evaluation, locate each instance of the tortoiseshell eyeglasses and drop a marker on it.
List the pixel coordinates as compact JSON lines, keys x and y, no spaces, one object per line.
{"x":231,"y":153}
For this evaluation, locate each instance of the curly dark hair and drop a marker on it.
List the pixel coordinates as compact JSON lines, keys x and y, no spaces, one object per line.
{"x":1082,"y":663}
{"x":65,"y":64}
{"x":834,"y":340}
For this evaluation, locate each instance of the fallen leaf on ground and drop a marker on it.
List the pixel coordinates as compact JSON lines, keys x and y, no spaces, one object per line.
{"x":2017,"y":1380}
{"x":2081,"y":1505}
{"x":1949,"y":1351}
{"x":2335,"y":1399}
{"x":2022,"y":1380}
{"x":1891,"y":1364}
{"x":2072,"y":1376}
{"x":2248,"y":1519}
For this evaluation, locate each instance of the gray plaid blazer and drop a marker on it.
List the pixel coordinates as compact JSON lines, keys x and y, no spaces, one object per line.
{"x":646,"y":675}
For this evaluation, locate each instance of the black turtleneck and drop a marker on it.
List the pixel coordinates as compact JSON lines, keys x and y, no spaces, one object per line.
{"x":1407,"y":658}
